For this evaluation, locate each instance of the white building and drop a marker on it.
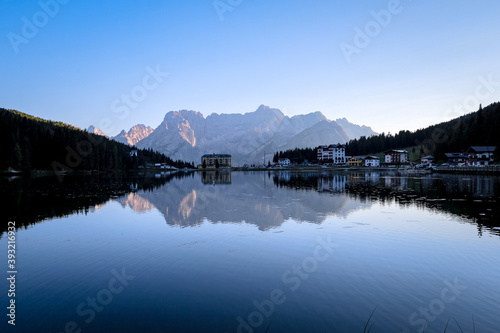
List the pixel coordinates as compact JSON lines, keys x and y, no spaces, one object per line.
{"x":480,"y":155}
{"x":396,"y":157}
{"x":333,"y":153}
{"x":427,"y":159}
{"x":284,"y":161}
{"x":371,"y":161}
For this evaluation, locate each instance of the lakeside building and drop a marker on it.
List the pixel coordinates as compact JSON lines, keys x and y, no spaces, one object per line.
{"x":284,"y":161}
{"x":427,"y":159}
{"x":334,"y":154}
{"x":474,"y":156}
{"x":396,"y":157}
{"x":369,"y":161}
{"x":355,"y":161}
{"x":455,"y":158}
{"x":215,"y":161}
{"x":480,"y":155}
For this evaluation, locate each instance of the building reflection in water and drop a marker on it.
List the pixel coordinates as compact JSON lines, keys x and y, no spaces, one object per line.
{"x":265,"y":199}
{"x":217,"y":177}
{"x":334,"y":184}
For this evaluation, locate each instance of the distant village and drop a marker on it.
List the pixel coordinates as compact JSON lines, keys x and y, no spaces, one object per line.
{"x":335,"y":155}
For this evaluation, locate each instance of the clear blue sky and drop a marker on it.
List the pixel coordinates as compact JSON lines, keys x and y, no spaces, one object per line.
{"x":85,"y":55}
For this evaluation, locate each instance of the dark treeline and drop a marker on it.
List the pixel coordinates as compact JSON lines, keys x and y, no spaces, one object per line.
{"x":479,"y":128}
{"x":37,"y":144}
{"x":298,"y":155}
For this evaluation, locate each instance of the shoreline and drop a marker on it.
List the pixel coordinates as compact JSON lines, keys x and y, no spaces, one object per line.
{"x":491,"y":170}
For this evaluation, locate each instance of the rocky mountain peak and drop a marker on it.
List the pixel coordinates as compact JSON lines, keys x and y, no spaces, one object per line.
{"x":186,"y":134}
{"x":95,"y":130}
{"x":134,"y":135}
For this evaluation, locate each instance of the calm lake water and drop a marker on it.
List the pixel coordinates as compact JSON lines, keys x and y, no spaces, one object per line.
{"x":246,"y":252}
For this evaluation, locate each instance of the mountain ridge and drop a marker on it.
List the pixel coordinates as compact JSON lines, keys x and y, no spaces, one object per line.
{"x":187,"y":134}
{"x":134,"y":135}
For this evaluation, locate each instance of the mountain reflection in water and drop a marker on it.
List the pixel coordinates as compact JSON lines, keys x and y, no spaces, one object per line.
{"x":264,"y":199}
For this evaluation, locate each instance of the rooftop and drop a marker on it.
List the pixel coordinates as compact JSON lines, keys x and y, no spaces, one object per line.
{"x":483,"y":149}
{"x":216,"y":155}
{"x":396,"y":151}
{"x":455,"y":155}
{"x":338,"y":145}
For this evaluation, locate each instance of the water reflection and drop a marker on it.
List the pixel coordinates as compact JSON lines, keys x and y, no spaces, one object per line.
{"x":473,"y":198}
{"x":265,"y":199}
{"x":216,"y":177}
{"x":269,"y":199}
{"x":29,"y":201}
{"x":252,"y":198}
{"x":202,"y":279}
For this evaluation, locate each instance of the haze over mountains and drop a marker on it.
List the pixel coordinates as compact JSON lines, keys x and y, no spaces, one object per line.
{"x":187,"y":135}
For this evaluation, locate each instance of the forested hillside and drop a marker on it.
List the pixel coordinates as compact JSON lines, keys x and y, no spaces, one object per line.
{"x":33,"y":143}
{"x":298,"y":155}
{"x":480,"y":128}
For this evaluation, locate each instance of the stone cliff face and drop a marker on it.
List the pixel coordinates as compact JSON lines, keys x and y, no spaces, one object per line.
{"x":95,"y":130}
{"x":134,"y":135}
{"x":187,"y":135}
{"x":354,"y":131}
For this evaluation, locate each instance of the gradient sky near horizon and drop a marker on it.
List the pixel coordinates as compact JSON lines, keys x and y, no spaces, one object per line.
{"x":425,"y":64}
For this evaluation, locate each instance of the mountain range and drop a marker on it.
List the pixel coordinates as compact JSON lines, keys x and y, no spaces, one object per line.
{"x":249,"y":138}
{"x":132,"y":137}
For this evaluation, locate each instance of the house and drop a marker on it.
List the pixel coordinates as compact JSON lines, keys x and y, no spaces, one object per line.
{"x":396,"y":157}
{"x":355,"y":161}
{"x":480,"y":155}
{"x":427,"y":159}
{"x":371,"y":161}
{"x":334,"y":154}
{"x":216,"y":161}
{"x":284,"y":161}
{"x":166,"y":166}
{"x":455,"y":158}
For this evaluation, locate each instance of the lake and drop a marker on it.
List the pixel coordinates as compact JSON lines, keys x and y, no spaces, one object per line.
{"x":254,"y":251}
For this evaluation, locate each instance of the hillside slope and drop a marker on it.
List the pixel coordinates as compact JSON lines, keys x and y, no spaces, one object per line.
{"x":35,"y":143}
{"x":480,"y":128}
